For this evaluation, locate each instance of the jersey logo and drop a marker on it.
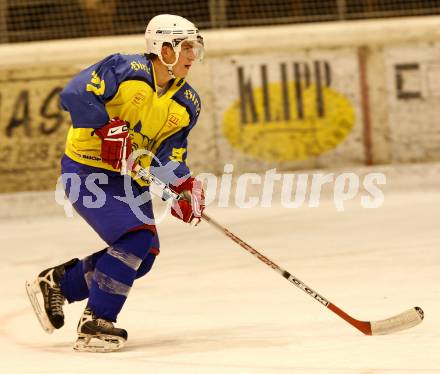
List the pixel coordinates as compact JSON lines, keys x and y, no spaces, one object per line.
{"x":139,"y":140}
{"x":97,"y":85}
{"x":174,"y":120}
{"x":177,"y":154}
{"x":139,"y":98}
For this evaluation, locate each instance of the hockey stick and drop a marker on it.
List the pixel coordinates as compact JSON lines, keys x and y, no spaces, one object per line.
{"x":402,"y":321}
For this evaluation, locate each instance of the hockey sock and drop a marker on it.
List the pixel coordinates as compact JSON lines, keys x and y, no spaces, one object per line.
{"x":115,"y":272}
{"x":146,"y":265}
{"x":76,"y":281}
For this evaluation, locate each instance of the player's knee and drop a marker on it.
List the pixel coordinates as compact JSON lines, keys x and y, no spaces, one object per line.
{"x":148,"y":263}
{"x":134,"y":243}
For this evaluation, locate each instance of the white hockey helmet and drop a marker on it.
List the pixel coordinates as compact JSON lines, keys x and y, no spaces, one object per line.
{"x":168,"y":28}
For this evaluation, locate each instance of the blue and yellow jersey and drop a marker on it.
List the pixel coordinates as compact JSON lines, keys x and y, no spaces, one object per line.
{"x":124,"y":86}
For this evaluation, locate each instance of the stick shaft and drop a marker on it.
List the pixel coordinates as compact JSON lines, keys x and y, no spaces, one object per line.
{"x":267,"y":261}
{"x":360,"y":325}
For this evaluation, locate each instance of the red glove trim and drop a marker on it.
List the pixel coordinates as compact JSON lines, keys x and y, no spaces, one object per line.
{"x":116,"y":144}
{"x":189,"y":210}
{"x":185,"y":185}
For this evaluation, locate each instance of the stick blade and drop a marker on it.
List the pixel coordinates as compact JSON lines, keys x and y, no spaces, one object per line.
{"x":402,"y":321}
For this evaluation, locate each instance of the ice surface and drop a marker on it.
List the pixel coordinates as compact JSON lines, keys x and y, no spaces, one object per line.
{"x":209,"y":307}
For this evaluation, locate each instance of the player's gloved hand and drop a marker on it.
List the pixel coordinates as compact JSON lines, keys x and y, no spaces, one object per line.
{"x":192,"y":205}
{"x":116,"y":143}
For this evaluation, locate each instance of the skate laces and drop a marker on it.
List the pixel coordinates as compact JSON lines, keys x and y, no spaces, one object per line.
{"x":56,"y":298}
{"x":56,"y":301}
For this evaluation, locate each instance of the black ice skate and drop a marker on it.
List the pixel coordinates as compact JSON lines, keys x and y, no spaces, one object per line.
{"x":48,"y":284}
{"x":98,"y":335}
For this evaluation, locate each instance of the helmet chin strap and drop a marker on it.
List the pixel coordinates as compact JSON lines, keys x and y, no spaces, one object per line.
{"x":170,"y":66}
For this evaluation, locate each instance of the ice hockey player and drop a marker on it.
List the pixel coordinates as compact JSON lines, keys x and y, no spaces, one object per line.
{"x":123,"y":105}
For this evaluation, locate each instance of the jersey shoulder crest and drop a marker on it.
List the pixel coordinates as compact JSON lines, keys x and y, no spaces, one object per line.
{"x":135,"y":67}
{"x":190,"y":99}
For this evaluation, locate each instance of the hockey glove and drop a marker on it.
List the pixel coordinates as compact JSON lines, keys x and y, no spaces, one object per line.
{"x":116,"y":143}
{"x":192,"y":204}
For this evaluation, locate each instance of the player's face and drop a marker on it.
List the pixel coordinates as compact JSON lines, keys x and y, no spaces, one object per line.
{"x":185,"y":61}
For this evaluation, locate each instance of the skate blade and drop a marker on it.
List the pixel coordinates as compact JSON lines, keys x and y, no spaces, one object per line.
{"x":98,"y":344}
{"x":32,"y":290}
